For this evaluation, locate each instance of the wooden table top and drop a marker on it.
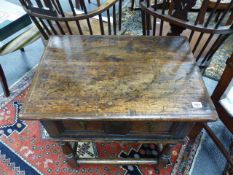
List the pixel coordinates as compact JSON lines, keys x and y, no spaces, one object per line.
{"x":118,"y":78}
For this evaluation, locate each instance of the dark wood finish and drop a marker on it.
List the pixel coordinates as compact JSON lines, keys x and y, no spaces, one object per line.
{"x":118,"y":88}
{"x":157,"y":140}
{"x":180,"y":11}
{"x":173,"y":19}
{"x":53,"y":127}
{"x":54,"y":20}
{"x":4,"y":82}
{"x":222,"y":6}
{"x":118,"y":161}
{"x":229,"y":169}
{"x":93,"y":130}
{"x":132,"y":4}
{"x":218,"y":92}
{"x":70,"y":154}
{"x":120,"y":14}
{"x":67,"y":148}
{"x":22,"y":50}
{"x":195,"y":131}
{"x":224,"y":116}
{"x":130,"y":82}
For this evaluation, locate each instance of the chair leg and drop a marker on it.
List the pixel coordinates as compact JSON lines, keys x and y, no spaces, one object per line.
{"x":120,"y":14}
{"x":230,"y":19}
{"x":4,"y":82}
{"x":132,"y":4}
{"x":22,"y":50}
{"x":219,"y":145}
{"x":70,"y":154}
{"x":218,"y":13}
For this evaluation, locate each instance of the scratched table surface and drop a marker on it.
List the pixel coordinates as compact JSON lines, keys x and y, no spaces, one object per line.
{"x":118,"y":78}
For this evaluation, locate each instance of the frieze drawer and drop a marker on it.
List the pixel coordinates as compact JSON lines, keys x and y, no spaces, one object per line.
{"x":120,"y":129}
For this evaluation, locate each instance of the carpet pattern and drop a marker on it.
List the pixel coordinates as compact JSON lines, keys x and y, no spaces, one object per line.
{"x":24,"y":151}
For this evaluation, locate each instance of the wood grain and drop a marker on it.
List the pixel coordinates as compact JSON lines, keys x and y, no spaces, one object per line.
{"x":118,"y":78}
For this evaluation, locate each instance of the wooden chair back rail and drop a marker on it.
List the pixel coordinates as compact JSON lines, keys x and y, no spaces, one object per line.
{"x":225,"y":117}
{"x":219,"y":91}
{"x":205,"y":37}
{"x":224,"y":81}
{"x":219,"y":144}
{"x":51,"y":19}
{"x":186,"y":24}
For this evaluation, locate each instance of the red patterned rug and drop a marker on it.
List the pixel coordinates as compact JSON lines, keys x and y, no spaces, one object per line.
{"x":24,"y":152}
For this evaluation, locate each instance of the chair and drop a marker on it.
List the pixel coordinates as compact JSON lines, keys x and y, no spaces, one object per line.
{"x":53,"y":18}
{"x":78,"y":4}
{"x":224,"y":109}
{"x":4,"y":82}
{"x":179,"y":17}
{"x":223,"y":5}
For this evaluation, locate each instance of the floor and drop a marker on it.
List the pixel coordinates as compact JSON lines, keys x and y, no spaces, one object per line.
{"x":209,"y":160}
{"x":16,"y":64}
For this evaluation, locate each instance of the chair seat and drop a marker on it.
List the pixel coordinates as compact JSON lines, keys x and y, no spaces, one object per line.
{"x":24,"y":39}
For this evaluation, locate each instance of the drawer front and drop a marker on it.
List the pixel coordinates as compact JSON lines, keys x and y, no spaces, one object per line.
{"x":118,"y":127}
{"x":103,"y":129}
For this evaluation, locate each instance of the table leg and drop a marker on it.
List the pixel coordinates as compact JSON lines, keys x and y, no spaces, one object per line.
{"x":195,"y":131}
{"x":4,"y":82}
{"x":165,"y":157}
{"x":70,"y":153}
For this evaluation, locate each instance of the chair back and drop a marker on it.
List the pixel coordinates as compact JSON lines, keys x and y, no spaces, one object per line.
{"x":223,"y":103}
{"x":54,"y":18}
{"x":222,"y":96}
{"x":206,"y":27}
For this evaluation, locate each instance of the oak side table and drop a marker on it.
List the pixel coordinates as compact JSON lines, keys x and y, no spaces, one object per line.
{"x":118,"y":88}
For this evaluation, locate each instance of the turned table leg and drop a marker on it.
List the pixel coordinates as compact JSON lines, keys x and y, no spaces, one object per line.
{"x":165,"y":157}
{"x":70,"y":153}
